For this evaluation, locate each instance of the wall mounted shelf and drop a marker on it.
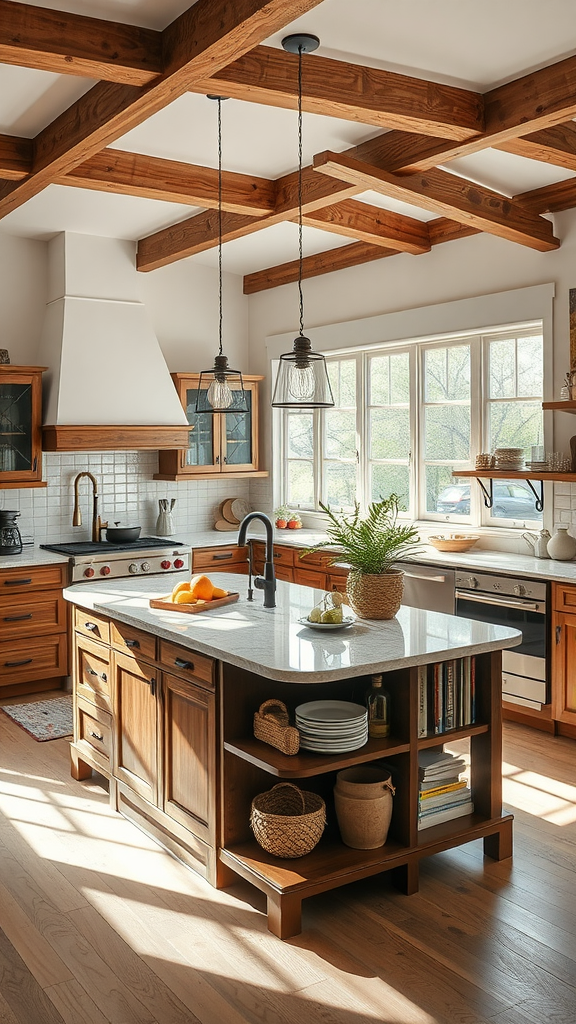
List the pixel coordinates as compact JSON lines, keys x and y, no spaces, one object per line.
{"x":569,"y":406}
{"x":499,"y":474}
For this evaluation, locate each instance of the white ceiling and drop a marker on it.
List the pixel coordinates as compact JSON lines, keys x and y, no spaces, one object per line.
{"x":471,"y":43}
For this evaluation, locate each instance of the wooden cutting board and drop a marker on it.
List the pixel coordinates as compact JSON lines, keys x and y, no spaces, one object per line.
{"x":192,"y":609}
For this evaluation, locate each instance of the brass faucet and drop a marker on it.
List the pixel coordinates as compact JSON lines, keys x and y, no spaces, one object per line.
{"x":97,"y":524}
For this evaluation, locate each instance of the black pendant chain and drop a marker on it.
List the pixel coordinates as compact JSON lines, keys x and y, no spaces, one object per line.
{"x":220,"y":224}
{"x":300,"y":249}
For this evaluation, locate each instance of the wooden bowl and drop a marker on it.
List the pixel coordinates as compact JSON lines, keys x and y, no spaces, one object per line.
{"x":458,"y":542}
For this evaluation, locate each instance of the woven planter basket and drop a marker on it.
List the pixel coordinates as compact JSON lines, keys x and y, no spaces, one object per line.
{"x":375,"y":596}
{"x":288,"y":821}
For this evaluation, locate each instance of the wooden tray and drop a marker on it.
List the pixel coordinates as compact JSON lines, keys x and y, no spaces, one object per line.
{"x":169,"y":606}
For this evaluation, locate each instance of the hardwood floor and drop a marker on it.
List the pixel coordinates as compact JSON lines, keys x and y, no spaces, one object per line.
{"x":100,"y":925}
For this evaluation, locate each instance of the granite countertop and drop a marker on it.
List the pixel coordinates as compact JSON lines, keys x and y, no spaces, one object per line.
{"x":272,"y":643}
{"x":31,"y":554}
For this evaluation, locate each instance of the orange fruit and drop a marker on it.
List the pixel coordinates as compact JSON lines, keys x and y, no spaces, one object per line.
{"x":218,"y":592}
{"x":184,"y":597}
{"x":201,"y":586}
{"x":179,"y":588}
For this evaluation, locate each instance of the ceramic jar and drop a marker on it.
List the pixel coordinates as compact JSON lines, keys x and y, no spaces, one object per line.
{"x":562,"y":545}
{"x":363,"y":801}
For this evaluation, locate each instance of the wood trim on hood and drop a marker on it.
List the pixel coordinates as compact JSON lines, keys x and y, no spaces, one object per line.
{"x":90,"y":438}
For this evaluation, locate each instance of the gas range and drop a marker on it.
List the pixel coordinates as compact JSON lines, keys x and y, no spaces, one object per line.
{"x":148,"y":556}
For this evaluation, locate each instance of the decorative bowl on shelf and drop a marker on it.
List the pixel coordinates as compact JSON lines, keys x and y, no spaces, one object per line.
{"x":454,"y":542}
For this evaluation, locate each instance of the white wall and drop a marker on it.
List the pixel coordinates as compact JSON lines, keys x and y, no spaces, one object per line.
{"x":23,"y":291}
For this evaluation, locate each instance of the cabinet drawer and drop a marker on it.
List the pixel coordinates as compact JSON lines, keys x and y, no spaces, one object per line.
{"x":313,"y":559}
{"x":564,"y":597}
{"x":282,"y":555}
{"x":132,"y":641}
{"x":336,"y":581}
{"x":94,"y":728}
{"x":188,"y":664}
{"x":35,"y":658}
{"x":41,"y":613}
{"x":90,"y":624}
{"x":220,"y":558}
{"x":93,"y":672}
{"x":310,"y":577}
{"x":284,"y":572}
{"x":33,"y":577}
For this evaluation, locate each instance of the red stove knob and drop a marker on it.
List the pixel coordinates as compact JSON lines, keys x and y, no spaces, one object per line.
{"x":165,"y":564}
{"x":178,"y":563}
{"x":105,"y":570}
{"x":89,"y":571}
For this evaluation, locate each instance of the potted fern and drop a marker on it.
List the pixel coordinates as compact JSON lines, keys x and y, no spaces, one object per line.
{"x":371,"y":544}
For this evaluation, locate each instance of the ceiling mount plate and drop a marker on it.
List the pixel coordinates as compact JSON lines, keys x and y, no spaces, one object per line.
{"x":211,"y":96}
{"x":300,"y":42}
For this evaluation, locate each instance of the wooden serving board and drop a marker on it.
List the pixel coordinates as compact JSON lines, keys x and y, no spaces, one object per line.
{"x":169,"y":606}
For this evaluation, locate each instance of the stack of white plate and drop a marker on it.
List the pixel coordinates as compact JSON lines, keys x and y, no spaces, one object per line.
{"x":332,"y":726}
{"x":509,"y":458}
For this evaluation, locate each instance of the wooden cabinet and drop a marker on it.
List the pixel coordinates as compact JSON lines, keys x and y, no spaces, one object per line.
{"x":21,"y":426}
{"x":309,"y":570}
{"x":225,"y":558}
{"x":189,"y":787}
{"x":136,"y":726}
{"x":564,"y":654}
{"x":33,"y":629}
{"x":220,"y":444}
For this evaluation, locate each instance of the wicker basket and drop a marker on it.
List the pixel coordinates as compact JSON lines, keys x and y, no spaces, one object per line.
{"x":271,"y":726}
{"x":288,"y":821}
{"x":375,"y":596}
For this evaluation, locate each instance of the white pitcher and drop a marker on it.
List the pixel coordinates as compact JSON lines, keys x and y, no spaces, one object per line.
{"x":538,"y":542}
{"x":562,"y":545}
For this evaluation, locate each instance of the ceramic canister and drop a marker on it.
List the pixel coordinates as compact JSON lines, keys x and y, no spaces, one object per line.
{"x":562,"y":545}
{"x":363,"y":801}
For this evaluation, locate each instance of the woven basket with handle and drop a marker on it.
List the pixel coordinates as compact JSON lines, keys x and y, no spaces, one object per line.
{"x":271,"y":726}
{"x":288,"y":821}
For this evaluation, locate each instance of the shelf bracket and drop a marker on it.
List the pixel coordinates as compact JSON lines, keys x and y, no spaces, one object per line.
{"x":488,"y":494}
{"x":539,"y":502}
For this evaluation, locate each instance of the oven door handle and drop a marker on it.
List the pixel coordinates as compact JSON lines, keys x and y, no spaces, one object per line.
{"x":426,"y":579}
{"x":500,"y":602}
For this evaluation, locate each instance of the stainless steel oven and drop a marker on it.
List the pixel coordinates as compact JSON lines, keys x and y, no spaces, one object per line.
{"x":147,"y":556}
{"x":521,"y":604}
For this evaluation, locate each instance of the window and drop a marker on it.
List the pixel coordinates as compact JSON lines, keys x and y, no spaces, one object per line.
{"x":407,"y":417}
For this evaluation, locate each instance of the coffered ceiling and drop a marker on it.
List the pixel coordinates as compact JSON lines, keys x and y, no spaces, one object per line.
{"x":424,"y":122}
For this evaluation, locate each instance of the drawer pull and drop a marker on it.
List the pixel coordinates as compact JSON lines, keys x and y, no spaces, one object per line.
{"x":180,"y":663}
{"x":92,"y":672}
{"x":17,"y":618}
{"x":104,"y":677}
{"x":132,"y":643}
{"x":99,"y":675}
{"x":220,"y":558}
{"x":92,"y":626}
{"x":13,"y":664}
{"x":152,"y":684}
{"x":97,"y":736}
{"x":16,"y":583}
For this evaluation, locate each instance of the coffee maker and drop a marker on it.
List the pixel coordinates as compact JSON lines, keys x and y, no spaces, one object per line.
{"x":10,"y":539}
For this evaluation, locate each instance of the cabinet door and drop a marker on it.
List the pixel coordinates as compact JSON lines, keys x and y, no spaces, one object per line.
{"x":20,"y":427}
{"x":310,"y":578}
{"x":563,"y":667}
{"x":136,"y":760}
{"x":189,"y":768}
{"x":239,"y":436}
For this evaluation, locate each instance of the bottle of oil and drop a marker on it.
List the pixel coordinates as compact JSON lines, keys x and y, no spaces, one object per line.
{"x":378,"y":704}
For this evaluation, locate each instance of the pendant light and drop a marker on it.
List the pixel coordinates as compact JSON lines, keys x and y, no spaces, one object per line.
{"x":302,"y":381}
{"x":220,"y":389}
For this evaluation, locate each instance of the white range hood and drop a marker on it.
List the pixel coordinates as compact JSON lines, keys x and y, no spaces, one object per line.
{"x":107,"y":385}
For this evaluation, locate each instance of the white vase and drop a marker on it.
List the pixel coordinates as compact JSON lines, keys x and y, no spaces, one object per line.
{"x":562,"y":545}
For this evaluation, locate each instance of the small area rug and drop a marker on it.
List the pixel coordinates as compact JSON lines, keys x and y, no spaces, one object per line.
{"x":44,"y":719}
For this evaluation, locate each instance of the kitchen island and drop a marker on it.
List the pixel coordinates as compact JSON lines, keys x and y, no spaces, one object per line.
{"x":164,"y":704}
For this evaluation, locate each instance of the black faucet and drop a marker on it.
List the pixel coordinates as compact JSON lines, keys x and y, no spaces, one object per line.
{"x":267,"y":582}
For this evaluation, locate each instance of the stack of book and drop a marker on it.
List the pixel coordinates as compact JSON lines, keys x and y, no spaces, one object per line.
{"x":446,"y":695}
{"x":443,"y":794}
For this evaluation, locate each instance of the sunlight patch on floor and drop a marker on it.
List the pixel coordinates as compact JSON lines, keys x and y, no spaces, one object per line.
{"x":539,"y":795}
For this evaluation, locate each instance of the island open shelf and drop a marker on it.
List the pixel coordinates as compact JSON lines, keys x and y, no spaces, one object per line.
{"x":305,"y":764}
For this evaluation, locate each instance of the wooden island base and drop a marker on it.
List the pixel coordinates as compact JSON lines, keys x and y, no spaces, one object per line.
{"x":172,"y":729}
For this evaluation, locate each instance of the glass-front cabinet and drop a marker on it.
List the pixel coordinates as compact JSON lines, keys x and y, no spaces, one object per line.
{"x":21,"y":426}
{"x":219,"y":443}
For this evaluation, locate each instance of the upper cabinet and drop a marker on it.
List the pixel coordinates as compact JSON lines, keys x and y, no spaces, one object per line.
{"x":219,"y":443}
{"x":21,"y":426}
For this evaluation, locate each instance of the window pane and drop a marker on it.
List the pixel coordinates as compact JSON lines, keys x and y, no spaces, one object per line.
{"x":379,"y":374}
{"x":513,"y":499}
{"x":300,"y":483}
{"x":390,"y":479}
{"x":447,"y":373}
{"x":444,"y":494}
{"x":389,"y":433}
{"x":340,"y":484}
{"x":530,"y":366}
{"x":447,"y":432}
{"x":342,"y":376}
{"x":514,"y":424}
{"x":340,"y":434}
{"x":300,"y":436}
{"x":503,"y":368}
{"x":399,"y":378}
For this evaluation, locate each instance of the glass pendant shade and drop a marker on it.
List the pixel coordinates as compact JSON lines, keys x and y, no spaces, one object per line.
{"x":221,"y":389}
{"x":302,"y":380}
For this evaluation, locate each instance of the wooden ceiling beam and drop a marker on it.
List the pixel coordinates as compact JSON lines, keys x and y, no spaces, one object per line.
{"x":367,"y":223}
{"x":561,"y":195}
{"x":203,"y":39}
{"x":15,"y":157}
{"x":556,"y":145}
{"x":71,"y":44}
{"x":313,"y":266}
{"x":352,"y":92}
{"x":132,"y":174}
{"x":447,"y":195}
